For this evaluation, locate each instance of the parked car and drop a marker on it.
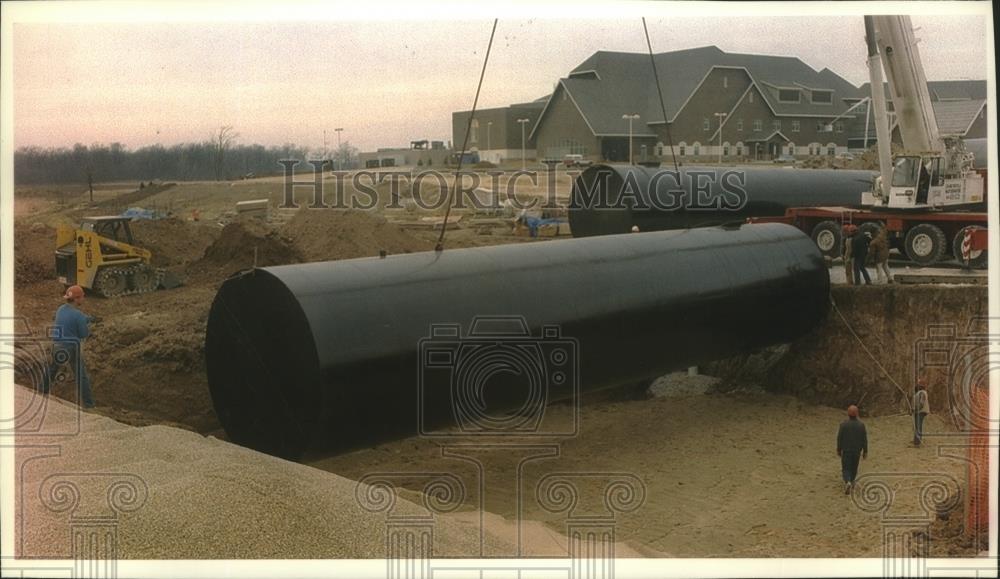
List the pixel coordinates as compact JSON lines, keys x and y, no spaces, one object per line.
{"x":576,"y":161}
{"x":845,"y":156}
{"x":785,"y":159}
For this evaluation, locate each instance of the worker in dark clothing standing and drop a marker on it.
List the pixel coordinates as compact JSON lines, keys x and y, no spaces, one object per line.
{"x":921,"y":408}
{"x":859,"y":253}
{"x":72,"y":327}
{"x":848,"y":233}
{"x":852,"y":446}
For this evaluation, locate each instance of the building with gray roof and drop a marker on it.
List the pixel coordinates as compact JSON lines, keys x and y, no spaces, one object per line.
{"x":739,"y":106}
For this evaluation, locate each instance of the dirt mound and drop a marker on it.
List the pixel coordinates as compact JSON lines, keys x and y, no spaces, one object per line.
{"x":897,"y":324}
{"x":34,"y":257}
{"x":174,"y":241}
{"x":134,"y":197}
{"x":245,"y":244}
{"x":146,"y":357}
{"x":326,"y":234}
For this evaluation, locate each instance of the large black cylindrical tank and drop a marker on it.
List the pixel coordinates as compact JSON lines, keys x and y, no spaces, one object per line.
{"x":609,"y":199}
{"x":339,"y":354}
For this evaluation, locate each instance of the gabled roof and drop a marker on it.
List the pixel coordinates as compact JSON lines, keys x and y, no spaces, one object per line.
{"x":609,"y":84}
{"x":945,"y":90}
{"x":958,"y":89}
{"x":954,"y":118}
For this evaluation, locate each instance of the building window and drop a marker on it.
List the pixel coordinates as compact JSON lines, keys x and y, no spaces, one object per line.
{"x":739,"y":124}
{"x":681,"y":149}
{"x":831,"y":150}
{"x":725,"y":150}
{"x":776,"y":124}
{"x":820,"y":126}
{"x":822,"y":97}
{"x":750,"y":98}
{"x":839,"y":127}
{"x":706,"y":125}
{"x":791,"y":148}
{"x":696,"y":149}
{"x":725,"y":81}
{"x":788,"y":95}
{"x":758,"y":125}
{"x":796,"y":125}
{"x":739,"y":150}
{"x":572,"y":147}
{"x":474,"y":135}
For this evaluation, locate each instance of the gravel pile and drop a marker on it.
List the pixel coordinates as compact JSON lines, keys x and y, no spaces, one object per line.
{"x":199,"y":498}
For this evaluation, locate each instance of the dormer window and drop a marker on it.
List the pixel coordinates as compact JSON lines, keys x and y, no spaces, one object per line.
{"x":822,"y":97}
{"x":788,"y":95}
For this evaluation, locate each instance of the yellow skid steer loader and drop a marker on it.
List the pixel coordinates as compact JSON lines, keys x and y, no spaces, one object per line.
{"x":101,"y":255}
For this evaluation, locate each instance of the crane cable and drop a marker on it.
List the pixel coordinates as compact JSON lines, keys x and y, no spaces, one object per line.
{"x":666,"y":123}
{"x":861,"y":342}
{"x":465,"y":143}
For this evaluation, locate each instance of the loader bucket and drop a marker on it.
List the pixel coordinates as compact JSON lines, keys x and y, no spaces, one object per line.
{"x":170,"y":280}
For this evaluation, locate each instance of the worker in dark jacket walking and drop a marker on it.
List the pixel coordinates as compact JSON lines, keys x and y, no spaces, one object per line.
{"x":852,"y":446}
{"x":859,"y":253}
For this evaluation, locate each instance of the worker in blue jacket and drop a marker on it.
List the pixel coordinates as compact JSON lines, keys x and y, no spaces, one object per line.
{"x":71,"y":327}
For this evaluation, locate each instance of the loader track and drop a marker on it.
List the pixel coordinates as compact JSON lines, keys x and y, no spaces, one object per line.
{"x":117,"y":281}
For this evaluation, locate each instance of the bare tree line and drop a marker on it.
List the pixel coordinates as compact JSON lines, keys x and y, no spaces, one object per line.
{"x":218,"y":158}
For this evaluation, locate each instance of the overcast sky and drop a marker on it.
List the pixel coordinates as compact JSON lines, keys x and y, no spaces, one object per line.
{"x":385,"y":83}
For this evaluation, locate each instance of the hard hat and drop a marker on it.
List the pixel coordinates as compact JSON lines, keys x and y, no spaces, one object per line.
{"x":635,"y":229}
{"x":73,"y":292}
{"x":852,"y":411}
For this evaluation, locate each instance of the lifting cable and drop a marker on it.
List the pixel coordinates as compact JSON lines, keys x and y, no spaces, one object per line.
{"x":659,"y":90}
{"x":663,"y":109}
{"x":906,"y":396}
{"x":465,"y":143}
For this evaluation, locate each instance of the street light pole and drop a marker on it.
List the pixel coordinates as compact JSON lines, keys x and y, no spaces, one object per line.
{"x":339,"y":162}
{"x":489,"y":143}
{"x":630,"y":118}
{"x":722,"y":119}
{"x":522,"y":122}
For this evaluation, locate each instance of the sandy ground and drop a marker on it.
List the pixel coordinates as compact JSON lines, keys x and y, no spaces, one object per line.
{"x":723,"y":476}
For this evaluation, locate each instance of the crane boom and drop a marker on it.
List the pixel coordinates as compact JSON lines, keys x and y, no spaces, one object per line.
{"x":907,"y":84}
{"x":930,"y":172}
{"x":882,"y":134}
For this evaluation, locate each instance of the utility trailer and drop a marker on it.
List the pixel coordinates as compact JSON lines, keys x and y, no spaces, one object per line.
{"x":924,"y":237}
